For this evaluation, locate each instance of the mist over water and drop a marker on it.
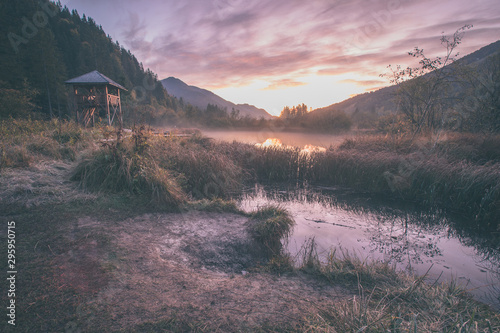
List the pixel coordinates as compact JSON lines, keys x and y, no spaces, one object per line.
{"x":286,"y":138}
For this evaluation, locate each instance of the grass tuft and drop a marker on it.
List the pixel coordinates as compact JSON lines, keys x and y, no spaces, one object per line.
{"x":207,"y":172}
{"x":271,"y":225}
{"x":120,"y":169}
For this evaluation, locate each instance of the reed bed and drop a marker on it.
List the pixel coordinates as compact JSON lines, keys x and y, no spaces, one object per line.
{"x":421,"y":171}
{"x":417,"y":172}
{"x":460,"y":172}
{"x":204,"y":170}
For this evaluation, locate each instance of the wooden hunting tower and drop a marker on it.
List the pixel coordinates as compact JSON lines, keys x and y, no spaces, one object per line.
{"x":96,"y":95}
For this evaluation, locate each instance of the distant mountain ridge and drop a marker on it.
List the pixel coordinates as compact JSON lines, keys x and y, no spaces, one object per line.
{"x":201,"y":98}
{"x":381,"y":101}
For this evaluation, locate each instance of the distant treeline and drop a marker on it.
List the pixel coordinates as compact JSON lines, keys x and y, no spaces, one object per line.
{"x":291,"y":118}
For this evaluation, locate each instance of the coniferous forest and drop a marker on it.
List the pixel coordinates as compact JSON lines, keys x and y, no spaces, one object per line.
{"x":43,"y":44}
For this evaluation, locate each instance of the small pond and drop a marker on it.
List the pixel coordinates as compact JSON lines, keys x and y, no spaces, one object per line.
{"x":411,"y":239}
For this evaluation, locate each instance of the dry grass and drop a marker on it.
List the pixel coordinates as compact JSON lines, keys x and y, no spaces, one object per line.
{"x":271,"y":226}
{"x":119,"y":169}
{"x":389,"y":301}
{"x":204,"y":170}
{"x":460,"y":172}
{"x":24,"y":142}
{"x":396,"y":168}
{"x":92,"y":263}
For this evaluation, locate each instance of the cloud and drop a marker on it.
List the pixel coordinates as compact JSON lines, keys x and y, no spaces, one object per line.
{"x":222,"y":43}
{"x":363,"y":83}
{"x":284,"y":83}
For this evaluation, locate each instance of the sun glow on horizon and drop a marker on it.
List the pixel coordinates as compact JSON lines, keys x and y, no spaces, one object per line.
{"x":273,"y":54}
{"x":314,"y":90}
{"x":271,"y":142}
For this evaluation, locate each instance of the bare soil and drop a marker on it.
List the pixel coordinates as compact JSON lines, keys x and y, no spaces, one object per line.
{"x":191,"y":271}
{"x":197,"y":267}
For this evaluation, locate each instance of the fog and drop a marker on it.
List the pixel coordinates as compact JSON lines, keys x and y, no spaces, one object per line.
{"x":286,"y":138}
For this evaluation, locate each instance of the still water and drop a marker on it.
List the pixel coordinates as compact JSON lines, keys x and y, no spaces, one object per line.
{"x":412,"y":239}
{"x":285,"y":138}
{"x":416,"y":241}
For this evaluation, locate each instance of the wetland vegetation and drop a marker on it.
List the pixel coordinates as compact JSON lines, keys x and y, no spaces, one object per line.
{"x":82,"y":197}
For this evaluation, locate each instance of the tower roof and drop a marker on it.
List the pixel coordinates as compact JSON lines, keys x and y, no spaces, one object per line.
{"x":93,"y":78}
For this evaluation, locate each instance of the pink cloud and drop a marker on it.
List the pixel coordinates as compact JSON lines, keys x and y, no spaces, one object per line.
{"x":234,"y":42}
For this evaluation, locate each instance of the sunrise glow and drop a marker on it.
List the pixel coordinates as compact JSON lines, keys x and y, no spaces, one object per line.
{"x":273,"y":54}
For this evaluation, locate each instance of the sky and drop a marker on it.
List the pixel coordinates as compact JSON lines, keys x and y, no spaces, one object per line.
{"x":286,"y":52}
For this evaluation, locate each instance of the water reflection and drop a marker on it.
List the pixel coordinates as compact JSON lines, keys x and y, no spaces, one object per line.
{"x":275,"y":142}
{"x":292,"y":139}
{"x":411,"y":239}
{"x":270,"y":142}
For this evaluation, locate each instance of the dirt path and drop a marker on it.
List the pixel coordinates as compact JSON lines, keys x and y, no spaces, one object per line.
{"x":148,"y":272}
{"x":194,"y":267}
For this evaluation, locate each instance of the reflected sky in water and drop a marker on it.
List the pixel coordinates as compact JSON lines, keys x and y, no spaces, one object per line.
{"x":412,"y":240}
{"x":285,"y":138}
{"x":275,"y":142}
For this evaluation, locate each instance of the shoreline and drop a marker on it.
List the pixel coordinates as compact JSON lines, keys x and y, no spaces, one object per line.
{"x":146,"y":267}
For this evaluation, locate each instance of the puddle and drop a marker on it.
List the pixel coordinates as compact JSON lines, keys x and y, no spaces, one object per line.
{"x":412,"y":240}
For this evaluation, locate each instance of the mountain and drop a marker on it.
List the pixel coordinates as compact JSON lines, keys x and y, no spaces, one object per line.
{"x":201,"y":98}
{"x":381,"y":102}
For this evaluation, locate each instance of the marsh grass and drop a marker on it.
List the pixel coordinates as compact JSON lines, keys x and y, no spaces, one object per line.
{"x":125,"y":167}
{"x":396,"y":168}
{"x":385,"y":300}
{"x":459,"y":172}
{"x":203,"y":168}
{"x":24,"y":142}
{"x":271,"y":225}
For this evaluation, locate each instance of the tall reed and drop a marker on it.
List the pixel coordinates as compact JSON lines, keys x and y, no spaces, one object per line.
{"x":398,"y":169}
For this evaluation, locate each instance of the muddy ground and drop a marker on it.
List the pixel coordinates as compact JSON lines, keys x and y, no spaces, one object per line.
{"x":108,"y":269}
